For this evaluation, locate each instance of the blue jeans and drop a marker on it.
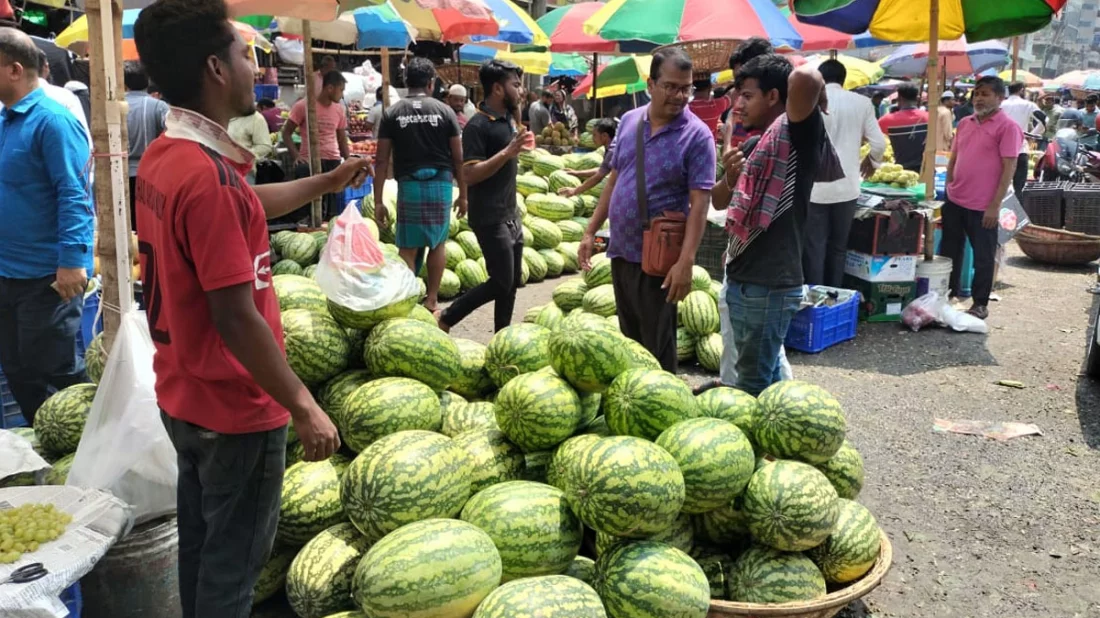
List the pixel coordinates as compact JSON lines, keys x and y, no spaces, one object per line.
{"x":759,"y":319}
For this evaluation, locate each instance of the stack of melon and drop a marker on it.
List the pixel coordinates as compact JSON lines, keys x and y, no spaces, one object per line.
{"x":58,"y":426}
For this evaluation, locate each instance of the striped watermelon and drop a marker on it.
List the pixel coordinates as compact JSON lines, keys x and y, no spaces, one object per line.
{"x":590,"y":407}
{"x":537,"y":411}
{"x":700,"y":278}
{"x":716,"y":563}
{"x":493,"y":458}
{"x":571,"y":231}
{"x":535,"y":264}
{"x":273,"y":574}
{"x":413,"y":349}
{"x":449,"y":284}
{"x":597,"y":190}
{"x":521,"y":205}
{"x":320,"y":577}
{"x":640,"y":358}
{"x":562,"y":180}
{"x":845,"y":471}
{"x":356,"y":340}
{"x":403,"y":478}
{"x":60,"y":419}
{"x":95,"y":359}
{"x":590,"y":203}
{"x":472,"y":380}
{"x":645,"y":402}
{"x":550,"y":316}
{"x":729,"y":404}
{"x":455,"y":254}
{"x":528,"y":237}
{"x":470,"y":274}
{"x":852,"y":549}
{"x":600,"y":300}
{"x":798,"y":420}
{"x":438,"y":568}
{"x":525,"y":273}
{"x":600,"y":273}
{"x":685,"y":345}
{"x":625,"y":486}
{"x":536,"y":465}
{"x":715,"y":458}
{"x":59,"y":469}
{"x":725,"y":526}
{"x":715,"y":290}
{"x":569,"y":294}
{"x":334,"y":394}
{"x":299,"y":292}
{"x":589,"y":353}
{"x":530,"y":524}
{"x":300,"y":247}
{"x":310,"y":499}
{"x":516,"y":349}
{"x":468,"y":241}
{"x":699,"y":314}
{"x":582,"y":568}
{"x":530,"y":184}
{"x":531,"y":315}
{"x":287,"y":267}
{"x":552,"y":596}
{"x":678,"y":535}
{"x":317,"y":348}
{"x":278,"y":239}
{"x":449,"y":401}
{"x":651,"y":580}
{"x":790,"y":506}
{"x":545,"y":165}
{"x":366,"y":320}
{"x":544,"y":233}
{"x":765,"y":575}
{"x":421,"y":313}
{"x":597,"y":427}
{"x":386,"y":406}
{"x":555,"y":263}
{"x":562,"y":462}
{"x":568,"y":252}
{"x":708,"y":351}
{"x":463,"y":417}
{"x":352,"y":613}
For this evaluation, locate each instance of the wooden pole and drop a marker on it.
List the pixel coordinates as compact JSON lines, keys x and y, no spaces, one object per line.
{"x":1015,"y":56}
{"x":316,"y":213}
{"x":933,"y":125}
{"x":108,"y":126}
{"x":386,"y":77}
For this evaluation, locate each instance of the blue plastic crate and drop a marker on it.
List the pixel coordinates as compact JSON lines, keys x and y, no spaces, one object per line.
{"x":10,"y":414}
{"x":91,"y":324}
{"x":73,"y":601}
{"x":815,"y":328}
{"x":966,"y":278}
{"x":267,"y":91}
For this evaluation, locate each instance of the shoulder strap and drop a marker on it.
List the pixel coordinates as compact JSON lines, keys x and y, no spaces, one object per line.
{"x":639,"y":172}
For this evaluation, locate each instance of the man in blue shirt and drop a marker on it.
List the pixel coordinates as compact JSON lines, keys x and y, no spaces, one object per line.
{"x":46,"y":239}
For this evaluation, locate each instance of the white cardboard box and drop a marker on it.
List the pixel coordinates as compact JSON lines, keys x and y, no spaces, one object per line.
{"x":881,"y":268}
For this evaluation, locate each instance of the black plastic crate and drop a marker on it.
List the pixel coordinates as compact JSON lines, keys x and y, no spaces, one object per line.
{"x":1043,"y":203}
{"x":712,"y":251}
{"x":873,"y":235}
{"x":1083,"y":208}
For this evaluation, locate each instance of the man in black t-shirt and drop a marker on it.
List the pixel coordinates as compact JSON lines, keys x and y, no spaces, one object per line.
{"x":764,"y":272}
{"x":425,"y":139}
{"x":491,"y":142}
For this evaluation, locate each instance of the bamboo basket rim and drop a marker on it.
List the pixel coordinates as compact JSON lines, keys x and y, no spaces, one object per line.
{"x":1039,"y":234}
{"x":707,"y":55}
{"x":833,"y":600}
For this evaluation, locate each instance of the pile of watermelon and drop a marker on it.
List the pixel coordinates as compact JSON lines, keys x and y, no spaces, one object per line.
{"x":58,"y":425}
{"x":557,"y":468}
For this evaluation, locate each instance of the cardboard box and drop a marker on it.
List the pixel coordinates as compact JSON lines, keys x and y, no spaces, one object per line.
{"x":882,"y":302}
{"x":881,"y":268}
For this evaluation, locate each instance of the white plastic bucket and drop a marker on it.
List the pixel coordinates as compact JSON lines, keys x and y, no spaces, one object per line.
{"x":934,"y":276}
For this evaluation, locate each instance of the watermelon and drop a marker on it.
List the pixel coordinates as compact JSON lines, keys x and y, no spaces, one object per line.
{"x":528,"y":237}
{"x":597,"y":427}
{"x":545,"y":165}
{"x":536,"y":465}
{"x":366,"y":320}
{"x":582,"y":568}
{"x":472,"y":380}
{"x":464,"y":417}
{"x":571,"y":231}
{"x":455,"y":254}
{"x":678,"y":535}
{"x":730,"y":404}
{"x":569,"y":294}
{"x":765,"y":575}
{"x":535,"y":264}
{"x":59,"y":470}
{"x":640,"y":357}
{"x":317,"y":348}
{"x":544,"y":234}
{"x":699,"y":313}
{"x":278,"y":239}
{"x":516,"y":349}
{"x":649,"y":579}
{"x":60,"y":419}
{"x":470,"y":275}
{"x":413,"y":349}
{"x":685,"y":345}
{"x":562,"y":180}
{"x":310,"y":499}
{"x":600,"y":300}
{"x":334,"y":394}
{"x":550,"y":316}
{"x":568,"y":252}
{"x":493,"y":458}
{"x":715,"y":458}
{"x":299,"y":292}
{"x":700,"y":278}
{"x":555,"y":263}
{"x":467,"y":240}
{"x":717,"y":565}
{"x":95,"y":359}
{"x":530,"y":184}
{"x":852,"y":549}
{"x":356,"y":340}
{"x":449,"y":284}
{"x":552,"y":596}
{"x":530,"y":524}
{"x":600,"y":273}
{"x":438,"y":568}
{"x":645,"y":402}
{"x":798,"y":420}
{"x":590,"y":202}
{"x":448,"y":401}
{"x":403,"y":478}
{"x":723,"y":526}
{"x":845,"y":471}
{"x":590,"y":407}
{"x":421,"y":313}
{"x":715,"y":291}
{"x":301,"y":248}
{"x":708,"y":351}
{"x":550,"y":207}
{"x":562,"y":461}
{"x":386,"y":406}
{"x":295,"y":452}
{"x":531,"y":316}
{"x":589,"y":353}
{"x":273,"y":574}
{"x":625,"y":487}
{"x":537,"y":411}
{"x":790,"y":506}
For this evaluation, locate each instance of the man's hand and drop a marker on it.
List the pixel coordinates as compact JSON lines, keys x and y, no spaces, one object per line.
{"x":567,"y":191}
{"x":70,"y":282}
{"x":584,"y":252}
{"x":381,"y":216}
{"x":461,"y":207}
{"x":317,"y":433}
{"x":733,"y":161}
{"x":867,"y":167}
{"x":989,"y":219}
{"x":678,"y":281}
{"x":352,"y":172}
{"x":516,"y":145}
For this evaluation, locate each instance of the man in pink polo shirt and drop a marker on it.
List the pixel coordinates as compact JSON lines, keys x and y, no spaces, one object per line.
{"x":983,"y":161}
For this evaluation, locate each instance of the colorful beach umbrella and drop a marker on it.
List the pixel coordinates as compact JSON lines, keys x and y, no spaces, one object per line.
{"x":552,"y":64}
{"x":661,"y":22}
{"x":1030,"y":79}
{"x":380,"y":26}
{"x":957,"y":58}
{"x":565,"y":27}
{"x":78,"y":32}
{"x":820,"y":38}
{"x":623,"y":75}
{"x":427,"y":24}
{"x":328,"y":10}
{"x":517,"y":27}
{"x":1074,"y":79}
{"x":860,"y":72}
{"x":906,"y":20}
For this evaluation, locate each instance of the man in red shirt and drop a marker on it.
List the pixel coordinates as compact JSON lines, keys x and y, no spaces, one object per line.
{"x":222,"y":380}
{"x":708,"y":108}
{"x":907,"y":128}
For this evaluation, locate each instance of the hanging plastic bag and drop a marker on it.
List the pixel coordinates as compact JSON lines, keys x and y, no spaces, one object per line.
{"x":124,"y":448}
{"x":290,"y":51}
{"x":355,"y":274}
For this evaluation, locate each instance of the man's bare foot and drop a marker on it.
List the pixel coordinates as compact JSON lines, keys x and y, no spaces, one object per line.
{"x":443,"y":326}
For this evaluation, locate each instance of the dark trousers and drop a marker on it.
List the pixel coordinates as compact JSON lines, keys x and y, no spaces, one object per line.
{"x":826,"y":244}
{"x":38,"y":334}
{"x":759,"y":319}
{"x":331,"y":203}
{"x":645,"y":315}
{"x":1020,"y":178}
{"x":958,"y":224}
{"x":502,"y":246}
{"x":227,"y":497}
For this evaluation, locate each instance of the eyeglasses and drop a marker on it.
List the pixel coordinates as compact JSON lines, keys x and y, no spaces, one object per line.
{"x":673,"y":89}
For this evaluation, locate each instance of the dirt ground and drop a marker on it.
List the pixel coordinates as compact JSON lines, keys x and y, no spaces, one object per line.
{"x":979,"y":528}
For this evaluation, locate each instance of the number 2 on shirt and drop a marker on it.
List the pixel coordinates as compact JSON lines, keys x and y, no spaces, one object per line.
{"x":152,"y":294}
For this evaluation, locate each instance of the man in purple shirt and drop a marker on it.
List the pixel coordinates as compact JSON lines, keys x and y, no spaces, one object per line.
{"x":679,"y":163}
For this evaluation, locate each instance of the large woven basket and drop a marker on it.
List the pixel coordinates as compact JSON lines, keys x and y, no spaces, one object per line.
{"x":708,"y":56}
{"x":1051,"y":246}
{"x":465,"y":74}
{"x":824,"y":607}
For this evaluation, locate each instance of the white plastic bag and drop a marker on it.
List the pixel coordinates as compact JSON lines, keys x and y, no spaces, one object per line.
{"x":290,"y":51}
{"x":355,"y":274}
{"x":922,"y":311}
{"x":124,"y":448}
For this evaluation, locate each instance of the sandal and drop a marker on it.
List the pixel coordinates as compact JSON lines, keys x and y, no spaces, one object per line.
{"x":443,"y":326}
{"x":979,"y":311}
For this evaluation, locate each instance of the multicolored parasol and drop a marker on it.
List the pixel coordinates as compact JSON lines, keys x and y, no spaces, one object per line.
{"x":78,"y":31}
{"x":517,"y":27}
{"x":425,"y":24}
{"x":565,"y":27}
{"x":957,"y":58}
{"x":820,"y":38}
{"x":860,"y":72}
{"x":906,"y":20}
{"x":552,"y":64}
{"x":328,"y":10}
{"x":1030,"y":79}
{"x":623,"y":75}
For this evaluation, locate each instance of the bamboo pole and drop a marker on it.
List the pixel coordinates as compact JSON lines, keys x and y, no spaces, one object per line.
{"x":108,"y":127}
{"x":1015,"y":56}
{"x":316,"y":214}
{"x":386,"y":77}
{"x":933,"y":125}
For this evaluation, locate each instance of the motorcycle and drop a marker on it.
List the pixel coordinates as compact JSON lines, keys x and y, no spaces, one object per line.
{"x":1070,"y":156}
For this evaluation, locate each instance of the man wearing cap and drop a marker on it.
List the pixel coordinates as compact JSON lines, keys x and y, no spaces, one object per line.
{"x":945,"y":121}
{"x":456,"y":99}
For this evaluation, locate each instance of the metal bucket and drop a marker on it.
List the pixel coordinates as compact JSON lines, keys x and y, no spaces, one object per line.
{"x":138,"y":577}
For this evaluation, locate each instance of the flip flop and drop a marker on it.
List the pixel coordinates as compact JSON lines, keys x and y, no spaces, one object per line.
{"x":443,"y":326}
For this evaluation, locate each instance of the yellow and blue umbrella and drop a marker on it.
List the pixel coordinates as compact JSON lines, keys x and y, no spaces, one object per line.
{"x":551,"y":64}
{"x":623,"y":75}
{"x":78,"y":31}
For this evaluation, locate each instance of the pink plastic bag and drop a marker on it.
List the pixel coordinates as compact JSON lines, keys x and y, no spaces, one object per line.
{"x":351,"y":244}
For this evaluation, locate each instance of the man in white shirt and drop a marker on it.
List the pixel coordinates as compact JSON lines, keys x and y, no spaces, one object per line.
{"x":1023,"y":113}
{"x":67,"y":99}
{"x":850,"y":121}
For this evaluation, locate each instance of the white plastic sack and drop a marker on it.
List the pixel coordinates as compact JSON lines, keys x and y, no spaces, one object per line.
{"x":124,"y":448}
{"x":934,"y":308}
{"x":354,"y":273}
{"x":19,"y":456}
{"x":290,"y":51}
